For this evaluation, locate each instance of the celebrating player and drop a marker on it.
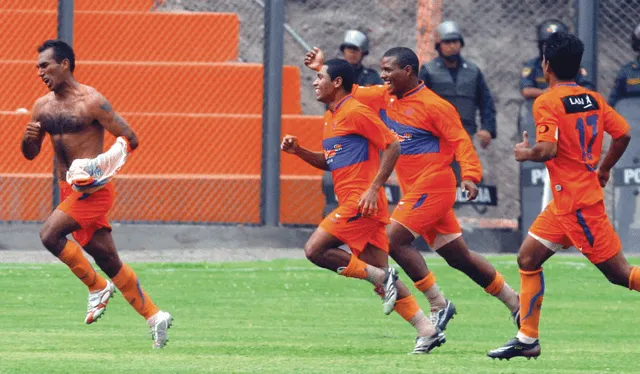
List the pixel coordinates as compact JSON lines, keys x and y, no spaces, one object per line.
{"x":570,"y":125}
{"x":353,"y":136}
{"x":430,"y":133}
{"x":76,"y":116}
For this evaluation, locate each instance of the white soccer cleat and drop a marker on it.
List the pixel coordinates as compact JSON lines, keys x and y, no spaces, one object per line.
{"x":159,"y":323}
{"x":98,"y":301}
{"x":425,"y":344}
{"x":390,"y":290}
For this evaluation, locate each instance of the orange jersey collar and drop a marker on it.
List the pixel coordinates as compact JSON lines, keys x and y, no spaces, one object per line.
{"x":339,"y":104}
{"x":414,"y":90}
{"x":569,"y":84}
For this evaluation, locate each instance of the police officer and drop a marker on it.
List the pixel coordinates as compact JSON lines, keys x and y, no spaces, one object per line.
{"x":628,"y":79}
{"x":460,"y":82}
{"x":354,"y":48}
{"x":532,"y":83}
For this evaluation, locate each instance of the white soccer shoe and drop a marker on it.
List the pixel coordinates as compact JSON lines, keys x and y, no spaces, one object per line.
{"x":390,"y":290}
{"x":159,"y":323}
{"x":98,"y":301}
{"x":425,"y":344}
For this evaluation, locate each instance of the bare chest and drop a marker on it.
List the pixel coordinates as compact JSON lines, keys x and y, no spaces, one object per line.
{"x":59,"y":120}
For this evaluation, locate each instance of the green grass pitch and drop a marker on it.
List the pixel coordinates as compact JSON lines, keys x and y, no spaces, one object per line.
{"x":287,"y":316}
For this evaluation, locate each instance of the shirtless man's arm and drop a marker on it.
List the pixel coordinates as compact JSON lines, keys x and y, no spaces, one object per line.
{"x":103,"y":112}
{"x":33,"y":134}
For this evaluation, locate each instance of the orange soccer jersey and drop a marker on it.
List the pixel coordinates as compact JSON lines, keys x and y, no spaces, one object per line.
{"x":576,"y":119}
{"x":353,"y":136}
{"x":431,"y":134}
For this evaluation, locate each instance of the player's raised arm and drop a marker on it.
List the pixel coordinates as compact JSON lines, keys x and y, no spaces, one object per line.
{"x":314,"y":59}
{"x":112,"y":122}
{"x":33,"y":134}
{"x":316,"y":159}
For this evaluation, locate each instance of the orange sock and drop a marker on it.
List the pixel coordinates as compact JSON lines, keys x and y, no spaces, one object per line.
{"x":356,"y":269}
{"x":531,"y":295}
{"x":634,"y":279}
{"x":129,"y":285}
{"x":496,"y":285}
{"x":425,"y":283}
{"x":72,"y":256}
{"x":407,"y":307}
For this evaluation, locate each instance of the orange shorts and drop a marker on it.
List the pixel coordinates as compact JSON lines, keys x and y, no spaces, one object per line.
{"x":429,"y":215}
{"x":346,"y":224}
{"x":89,"y":210}
{"x":588,"y":229}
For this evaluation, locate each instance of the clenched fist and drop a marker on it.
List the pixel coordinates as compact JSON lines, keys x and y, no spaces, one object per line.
{"x":290,"y":144}
{"x":33,"y":131}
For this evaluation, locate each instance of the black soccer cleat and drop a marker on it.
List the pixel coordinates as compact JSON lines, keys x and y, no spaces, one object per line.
{"x":516,"y":318}
{"x":516,"y":348}
{"x":441,"y":318}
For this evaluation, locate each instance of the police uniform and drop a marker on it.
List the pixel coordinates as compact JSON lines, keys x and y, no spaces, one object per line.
{"x":533,"y":76}
{"x":358,"y":39}
{"x":366,"y":76}
{"x":466,"y":89}
{"x":627,"y":82}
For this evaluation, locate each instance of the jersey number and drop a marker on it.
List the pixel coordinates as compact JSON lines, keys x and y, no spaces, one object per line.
{"x":587,"y":148}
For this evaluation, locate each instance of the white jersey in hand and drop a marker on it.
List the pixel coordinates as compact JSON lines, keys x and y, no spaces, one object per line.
{"x":90,"y":174}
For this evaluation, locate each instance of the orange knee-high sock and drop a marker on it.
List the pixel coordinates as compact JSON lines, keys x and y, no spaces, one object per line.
{"x":72,"y":256}
{"x":425,"y":283}
{"x":129,"y":285}
{"x":501,"y":290}
{"x":531,"y":295}
{"x":496,"y":285}
{"x":634,"y":279}
{"x":356,"y":269}
{"x":430,"y":289}
{"x":409,"y":309}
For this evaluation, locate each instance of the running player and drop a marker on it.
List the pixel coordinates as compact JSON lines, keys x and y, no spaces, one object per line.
{"x":353,"y":136}
{"x":76,"y":116}
{"x":570,"y":125}
{"x":431,"y":133}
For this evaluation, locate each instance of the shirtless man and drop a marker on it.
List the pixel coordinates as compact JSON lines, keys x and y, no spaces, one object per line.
{"x":76,"y":116}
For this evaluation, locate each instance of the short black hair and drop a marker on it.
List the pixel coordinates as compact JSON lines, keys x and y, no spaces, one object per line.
{"x":340,"y":68}
{"x":404,"y":56}
{"x":564,"y":52}
{"x":61,"y":51}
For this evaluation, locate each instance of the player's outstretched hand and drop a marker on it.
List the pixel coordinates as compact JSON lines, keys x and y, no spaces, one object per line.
{"x":368,"y":203}
{"x":33,"y":131}
{"x":603,"y":176}
{"x":290,"y":144}
{"x":470,"y":188}
{"x":521,"y":150}
{"x":314,"y":59}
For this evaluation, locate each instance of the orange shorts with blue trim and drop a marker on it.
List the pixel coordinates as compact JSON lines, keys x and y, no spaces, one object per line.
{"x":428,"y":214}
{"x":588,"y":229}
{"x":349,"y":227}
{"x":88,"y":210}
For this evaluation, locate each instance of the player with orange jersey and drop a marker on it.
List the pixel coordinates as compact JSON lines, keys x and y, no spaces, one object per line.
{"x":570,"y":126}
{"x":353,"y":136}
{"x":431,"y":134}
